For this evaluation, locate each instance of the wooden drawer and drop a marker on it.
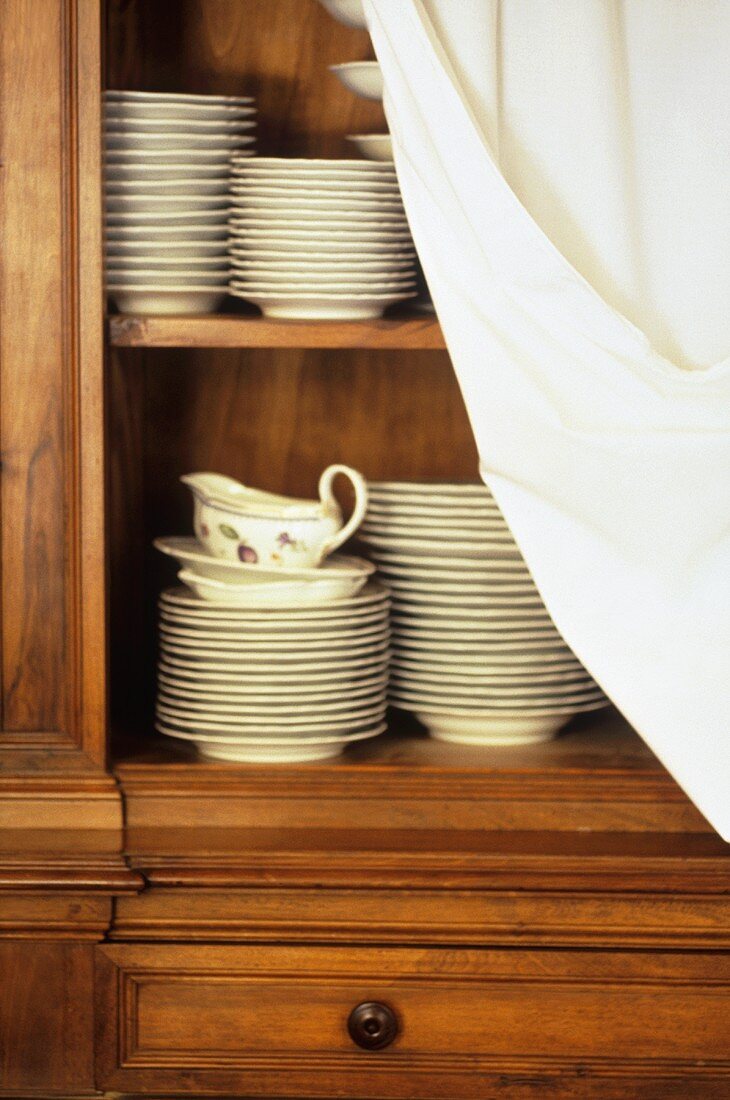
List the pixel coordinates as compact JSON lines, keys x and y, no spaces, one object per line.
{"x":273,"y":1021}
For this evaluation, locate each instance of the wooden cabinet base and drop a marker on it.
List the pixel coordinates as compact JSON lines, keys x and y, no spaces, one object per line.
{"x":272,"y":1021}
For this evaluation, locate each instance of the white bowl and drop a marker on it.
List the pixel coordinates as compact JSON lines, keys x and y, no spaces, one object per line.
{"x":490,"y":730}
{"x":349,"y":12}
{"x":373,"y":146}
{"x":163,"y":300}
{"x":364,"y":78}
{"x":322,"y":307}
{"x":252,"y":750}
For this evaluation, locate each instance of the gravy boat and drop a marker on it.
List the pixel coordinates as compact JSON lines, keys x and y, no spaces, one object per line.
{"x":237,"y":523}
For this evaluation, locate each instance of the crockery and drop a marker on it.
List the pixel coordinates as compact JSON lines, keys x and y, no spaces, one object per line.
{"x":153,"y":299}
{"x":489,"y":729}
{"x":119,"y":123}
{"x":181,"y":188}
{"x":181,"y":113}
{"x":316,"y":165}
{"x":115,"y":95}
{"x":354,"y":185}
{"x":130,"y":278}
{"x":330,"y":248}
{"x":235,"y":522}
{"x":306,"y":263}
{"x":130,"y":170}
{"x":146,"y":203}
{"x":349,"y":12}
{"x":317,"y":668}
{"x":179,"y":142}
{"x":190,"y":552}
{"x":373,"y":146}
{"x":373,"y":595}
{"x":322,"y":307}
{"x":364,"y":78}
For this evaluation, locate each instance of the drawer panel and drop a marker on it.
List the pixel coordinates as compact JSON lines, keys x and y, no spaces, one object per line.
{"x":272,"y":1021}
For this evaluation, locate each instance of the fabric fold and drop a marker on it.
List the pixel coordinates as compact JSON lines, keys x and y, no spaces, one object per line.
{"x":610,"y":462}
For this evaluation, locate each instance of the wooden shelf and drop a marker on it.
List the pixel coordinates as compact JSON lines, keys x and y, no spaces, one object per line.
{"x":599,"y":776}
{"x":231,"y":330}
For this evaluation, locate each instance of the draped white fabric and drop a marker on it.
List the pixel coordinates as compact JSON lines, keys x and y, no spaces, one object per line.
{"x":563,"y":164}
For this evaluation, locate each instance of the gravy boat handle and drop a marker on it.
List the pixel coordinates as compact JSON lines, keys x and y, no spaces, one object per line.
{"x":327,"y":496}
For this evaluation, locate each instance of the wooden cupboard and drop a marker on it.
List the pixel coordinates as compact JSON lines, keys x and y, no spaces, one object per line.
{"x":545,"y":921}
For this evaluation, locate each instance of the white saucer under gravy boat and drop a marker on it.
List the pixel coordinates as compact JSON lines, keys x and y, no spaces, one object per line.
{"x":239,"y":524}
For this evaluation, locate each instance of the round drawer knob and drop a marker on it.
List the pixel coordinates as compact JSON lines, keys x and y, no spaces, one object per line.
{"x":372,"y":1025}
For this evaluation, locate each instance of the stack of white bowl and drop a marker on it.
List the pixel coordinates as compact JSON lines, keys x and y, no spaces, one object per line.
{"x":273,"y":685}
{"x":319,"y":239}
{"x":166,"y":196}
{"x":476,"y":655}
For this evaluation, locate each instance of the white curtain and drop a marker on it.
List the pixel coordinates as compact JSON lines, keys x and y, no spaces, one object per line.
{"x":564,"y":168}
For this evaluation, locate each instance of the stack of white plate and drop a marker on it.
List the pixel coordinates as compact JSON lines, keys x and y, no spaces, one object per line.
{"x":319,"y":239}
{"x":280,"y":685}
{"x":476,"y":655}
{"x":166,"y":196}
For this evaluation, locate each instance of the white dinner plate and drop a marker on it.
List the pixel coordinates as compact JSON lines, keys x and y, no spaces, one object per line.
{"x":178,"y":142}
{"x":124,"y":95}
{"x":248,"y":711}
{"x":310,"y":693}
{"x":306,"y":264}
{"x":117,"y":121}
{"x":303,"y":240}
{"x":179,"y":113}
{"x":320,"y":673}
{"x":188,"y":550}
{"x":372,"y":595}
{"x":320,"y":164}
{"x":314,"y":287}
{"x":250,"y":176}
{"x":366,"y":619}
{"x":282,"y":640}
{"x":364,"y":718}
{"x":167,"y":171}
{"x":362,"y":229}
{"x":162,"y":204}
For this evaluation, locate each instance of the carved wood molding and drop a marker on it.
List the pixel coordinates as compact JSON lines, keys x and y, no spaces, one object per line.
{"x":51,"y":427}
{"x":238,"y":1018}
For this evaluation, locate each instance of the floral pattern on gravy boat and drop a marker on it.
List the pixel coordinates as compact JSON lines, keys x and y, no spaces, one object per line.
{"x":236,"y":523}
